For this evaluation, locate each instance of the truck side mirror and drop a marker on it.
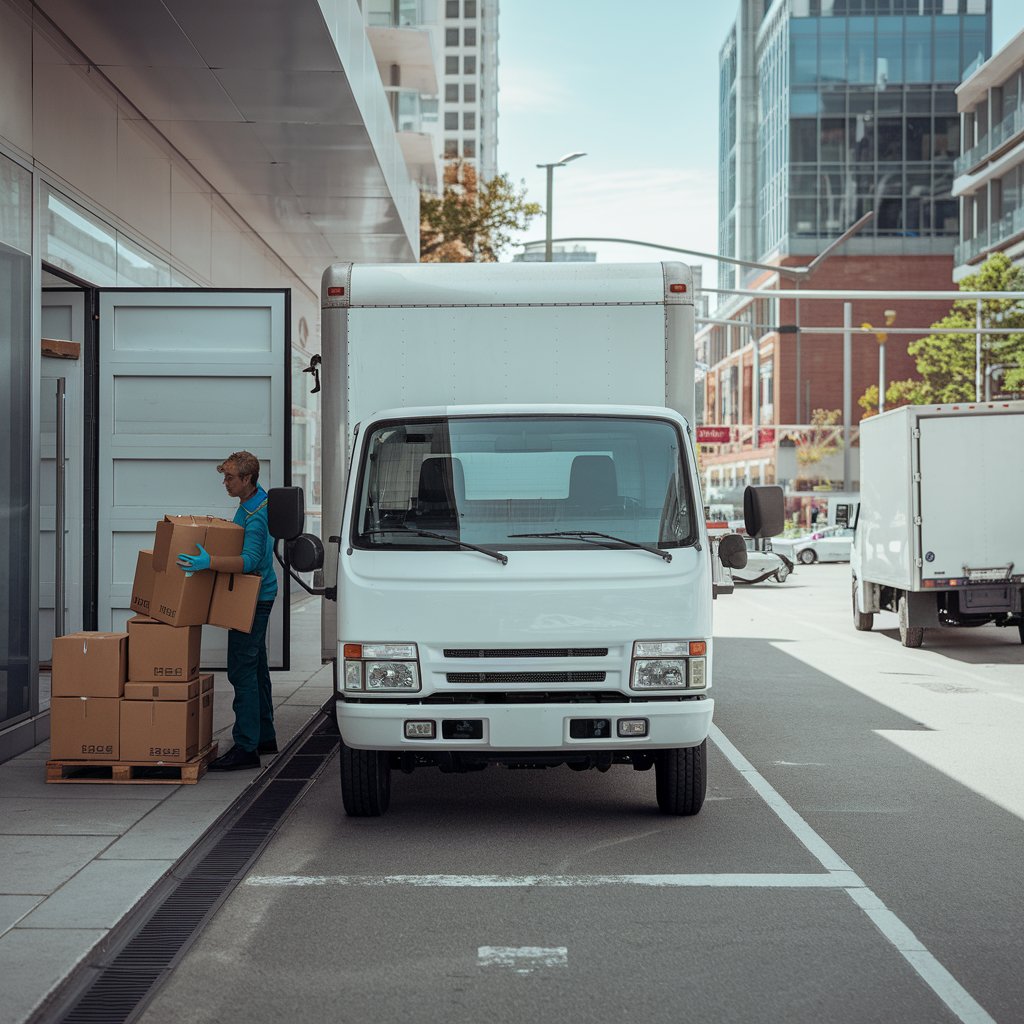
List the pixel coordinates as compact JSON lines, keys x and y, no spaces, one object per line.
{"x":305,"y":553}
{"x":764,"y":511}
{"x":286,"y":512}
{"x":732,"y":551}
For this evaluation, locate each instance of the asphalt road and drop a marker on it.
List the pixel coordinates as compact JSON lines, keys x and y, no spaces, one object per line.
{"x":859,"y":858}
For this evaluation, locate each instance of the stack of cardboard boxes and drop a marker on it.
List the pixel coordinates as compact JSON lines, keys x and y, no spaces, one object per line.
{"x":138,"y":696}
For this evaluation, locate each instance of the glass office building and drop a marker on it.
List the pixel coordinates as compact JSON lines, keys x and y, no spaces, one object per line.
{"x":832,"y":108}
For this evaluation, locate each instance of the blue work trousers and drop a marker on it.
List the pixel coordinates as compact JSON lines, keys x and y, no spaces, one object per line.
{"x":249,"y":674}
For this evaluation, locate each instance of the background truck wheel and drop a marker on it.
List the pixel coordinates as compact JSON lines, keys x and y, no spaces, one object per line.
{"x":861,"y":620}
{"x":910,"y":636}
{"x":681,"y":779}
{"x":365,"y":782}
{"x":807,"y":557}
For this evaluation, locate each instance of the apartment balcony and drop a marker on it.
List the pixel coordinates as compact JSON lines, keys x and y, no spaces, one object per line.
{"x":404,"y":37}
{"x":415,"y":118}
{"x":1003,"y":231}
{"x":992,"y":145}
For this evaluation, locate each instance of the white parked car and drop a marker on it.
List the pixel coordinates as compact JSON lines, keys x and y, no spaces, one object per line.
{"x":831,"y":544}
{"x":762,"y":565}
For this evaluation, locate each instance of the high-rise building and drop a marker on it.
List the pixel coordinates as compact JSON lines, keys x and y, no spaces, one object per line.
{"x":830,"y":109}
{"x":989,"y":174}
{"x":469,"y":102}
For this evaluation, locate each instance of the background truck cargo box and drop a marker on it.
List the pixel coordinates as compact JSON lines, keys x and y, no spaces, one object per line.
{"x":159,"y":730}
{"x":157,"y":651}
{"x":142,"y":588}
{"x":233,"y":605}
{"x":89,"y":664}
{"x":85,"y":728}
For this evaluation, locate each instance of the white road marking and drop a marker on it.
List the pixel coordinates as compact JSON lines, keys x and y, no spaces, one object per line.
{"x":522,"y":959}
{"x":932,"y":973}
{"x":830,"y":880}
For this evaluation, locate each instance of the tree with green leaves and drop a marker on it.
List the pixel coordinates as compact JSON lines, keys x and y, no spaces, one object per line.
{"x":947,"y":363}
{"x":471,"y":221}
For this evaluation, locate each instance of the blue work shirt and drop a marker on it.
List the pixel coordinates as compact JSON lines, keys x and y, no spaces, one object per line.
{"x":258,"y":547}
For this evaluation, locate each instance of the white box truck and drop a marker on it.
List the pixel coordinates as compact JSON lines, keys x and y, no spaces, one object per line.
{"x":938,"y":538}
{"x":518,"y":570}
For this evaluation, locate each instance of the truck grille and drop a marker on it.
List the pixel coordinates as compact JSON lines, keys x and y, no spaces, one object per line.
{"x":526,"y":652}
{"x":525,"y":677}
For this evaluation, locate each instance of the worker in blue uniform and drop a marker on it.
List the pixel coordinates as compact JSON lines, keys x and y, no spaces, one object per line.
{"x":248,"y":669}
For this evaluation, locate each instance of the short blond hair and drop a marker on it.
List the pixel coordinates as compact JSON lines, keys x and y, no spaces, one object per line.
{"x":245,"y":463}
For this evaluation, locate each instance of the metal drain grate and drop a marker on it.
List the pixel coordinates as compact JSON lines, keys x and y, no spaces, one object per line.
{"x":114,"y":987}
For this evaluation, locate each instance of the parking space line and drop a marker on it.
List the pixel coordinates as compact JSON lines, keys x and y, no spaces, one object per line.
{"x":522,"y":959}
{"x":818,"y":880}
{"x":966,"y":1008}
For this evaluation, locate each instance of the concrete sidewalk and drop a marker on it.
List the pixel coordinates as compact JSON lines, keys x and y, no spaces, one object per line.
{"x":74,"y":859}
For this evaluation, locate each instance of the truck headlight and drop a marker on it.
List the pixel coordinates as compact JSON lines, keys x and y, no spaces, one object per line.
{"x":664,"y":665}
{"x":381,"y":667}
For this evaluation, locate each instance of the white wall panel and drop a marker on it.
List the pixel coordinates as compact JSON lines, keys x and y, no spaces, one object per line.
{"x":192,"y":406}
{"x":143,"y":183}
{"x":198,"y":326}
{"x":179,"y":485}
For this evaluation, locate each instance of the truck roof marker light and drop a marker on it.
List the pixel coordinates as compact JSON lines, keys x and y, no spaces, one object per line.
{"x":352,"y":650}
{"x":336,"y":290}
{"x":678,"y":288}
{"x":698,"y":648}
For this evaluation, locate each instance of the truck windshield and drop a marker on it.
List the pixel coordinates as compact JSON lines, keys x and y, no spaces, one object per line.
{"x":485,"y":479}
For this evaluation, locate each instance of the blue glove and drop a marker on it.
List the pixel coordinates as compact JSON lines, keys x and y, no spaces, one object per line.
{"x":194,"y":563}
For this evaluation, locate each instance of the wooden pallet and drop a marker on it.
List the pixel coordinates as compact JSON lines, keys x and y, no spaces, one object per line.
{"x":135,"y":772}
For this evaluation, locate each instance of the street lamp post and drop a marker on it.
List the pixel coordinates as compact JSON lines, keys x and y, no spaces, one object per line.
{"x":550,"y":168}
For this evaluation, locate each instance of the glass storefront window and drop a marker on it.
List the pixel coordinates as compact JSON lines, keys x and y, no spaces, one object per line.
{"x":76,"y":241}
{"x":15,"y":205}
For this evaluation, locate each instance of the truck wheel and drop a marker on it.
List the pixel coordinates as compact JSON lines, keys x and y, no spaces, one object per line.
{"x":782,"y":574}
{"x":862,"y":621}
{"x":910,"y":636}
{"x":807,"y":556}
{"x":680,"y":779}
{"x":365,"y":782}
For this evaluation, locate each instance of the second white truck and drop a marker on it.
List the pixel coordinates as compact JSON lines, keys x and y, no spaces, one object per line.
{"x":518,"y":570}
{"x":938,"y":537}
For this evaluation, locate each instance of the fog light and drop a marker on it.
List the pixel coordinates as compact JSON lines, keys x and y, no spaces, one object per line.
{"x":353,"y":675}
{"x":632,"y":726}
{"x":392,"y":675}
{"x":420,"y":730}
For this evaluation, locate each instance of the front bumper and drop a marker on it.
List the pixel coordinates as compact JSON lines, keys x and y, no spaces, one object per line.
{"x":542,"y":727}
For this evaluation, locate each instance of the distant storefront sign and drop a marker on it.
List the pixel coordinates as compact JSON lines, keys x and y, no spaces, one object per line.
{"x":714,"y":435}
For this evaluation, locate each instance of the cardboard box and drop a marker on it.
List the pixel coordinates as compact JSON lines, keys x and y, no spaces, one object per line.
{"x":205,"y":711}
{"x":89,"y":665}
{"x":158,"y":652}
{"x":85,"y":728}
{"x":159,"y":730}
{"x":176,"y":535}
{"x":142,"y":588}
{"x":233,"y":604}
{"x":179,"y":599}
{"x":187,"y":690}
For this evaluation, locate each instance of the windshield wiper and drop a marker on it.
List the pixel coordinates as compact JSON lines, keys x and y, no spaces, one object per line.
{"x":440,"y":536}
{"x":589,"y":534}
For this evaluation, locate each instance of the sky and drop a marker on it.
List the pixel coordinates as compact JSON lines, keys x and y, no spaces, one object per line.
{"x":635,"y":87}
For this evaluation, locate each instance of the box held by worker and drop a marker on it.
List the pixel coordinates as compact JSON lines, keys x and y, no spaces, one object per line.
{"x":85,"y":728}
{"x":180,"y":598}
{"x":176,"y":535}
{"x":158,"y":652}
{"x":142,"y":588}
{"x":89,"y":664}
{"x":159,"y":730}
{"x":233,"y":604}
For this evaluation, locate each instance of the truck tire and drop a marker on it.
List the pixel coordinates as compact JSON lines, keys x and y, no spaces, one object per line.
{"x":862,"y":621}
{"x":910,"y":636}
{"x":681,"y":780}
{"x":365,"y":782}
{"x":807,"y":556}
{"x":782,"y":574}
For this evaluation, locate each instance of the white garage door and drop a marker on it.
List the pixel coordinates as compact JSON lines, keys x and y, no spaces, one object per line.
{"x":186,"y":378}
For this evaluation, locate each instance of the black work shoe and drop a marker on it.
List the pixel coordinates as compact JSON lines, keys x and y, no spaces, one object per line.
{"x":236,"y":758}
{"x":267,"y":747}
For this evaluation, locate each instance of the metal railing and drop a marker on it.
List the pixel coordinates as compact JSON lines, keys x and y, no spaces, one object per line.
{"x":1010,"y":126}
